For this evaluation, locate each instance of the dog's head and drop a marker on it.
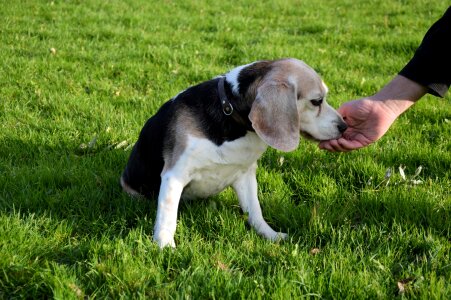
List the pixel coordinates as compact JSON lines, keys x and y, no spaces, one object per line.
{"x":290,"y":101}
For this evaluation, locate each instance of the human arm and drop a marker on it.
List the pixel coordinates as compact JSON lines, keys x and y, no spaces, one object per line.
{"x":431,"y":64}
{"x":429,"y":71}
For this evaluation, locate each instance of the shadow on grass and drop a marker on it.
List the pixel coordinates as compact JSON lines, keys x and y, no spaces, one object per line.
{"x":67,"y":184}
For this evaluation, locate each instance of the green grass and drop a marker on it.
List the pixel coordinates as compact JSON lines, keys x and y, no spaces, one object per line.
{"x":68,"y":231}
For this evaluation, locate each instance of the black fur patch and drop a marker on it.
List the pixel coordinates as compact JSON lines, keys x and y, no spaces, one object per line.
{"x":252,"y":73}
{"x":202,"y":102}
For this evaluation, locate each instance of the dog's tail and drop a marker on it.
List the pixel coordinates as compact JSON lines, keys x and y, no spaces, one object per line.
{"x":128,"y":189}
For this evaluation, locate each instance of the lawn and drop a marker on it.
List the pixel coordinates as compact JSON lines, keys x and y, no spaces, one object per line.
{"x":78,"y":79}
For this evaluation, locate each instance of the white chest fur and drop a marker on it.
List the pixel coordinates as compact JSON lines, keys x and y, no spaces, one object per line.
{"x":208,"y":169}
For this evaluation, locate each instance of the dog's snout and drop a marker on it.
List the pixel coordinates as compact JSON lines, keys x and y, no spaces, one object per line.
{"x":342,"y":126}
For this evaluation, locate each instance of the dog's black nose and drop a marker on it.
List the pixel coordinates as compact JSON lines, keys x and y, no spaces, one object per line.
{"x":342,"y":127}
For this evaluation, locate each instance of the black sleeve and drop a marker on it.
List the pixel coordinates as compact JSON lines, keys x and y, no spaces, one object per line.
{"x":431,"y":64}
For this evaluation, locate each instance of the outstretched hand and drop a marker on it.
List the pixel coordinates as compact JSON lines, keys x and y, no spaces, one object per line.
{"x":368,"y":120}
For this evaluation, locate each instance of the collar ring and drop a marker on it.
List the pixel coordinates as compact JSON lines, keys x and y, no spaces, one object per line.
{"x":227,"y":107}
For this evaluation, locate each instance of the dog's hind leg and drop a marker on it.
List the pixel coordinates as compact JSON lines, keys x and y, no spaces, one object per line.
{"x":246,"y":189}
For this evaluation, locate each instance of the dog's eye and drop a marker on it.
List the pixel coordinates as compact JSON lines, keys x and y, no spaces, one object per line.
{"x":317,"y":102}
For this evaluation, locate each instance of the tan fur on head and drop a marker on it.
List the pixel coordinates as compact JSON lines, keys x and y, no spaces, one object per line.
{"x":283,"y":109}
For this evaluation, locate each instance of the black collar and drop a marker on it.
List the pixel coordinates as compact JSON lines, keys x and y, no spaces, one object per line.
{"x":238,"y":115}
{"x":227,"y":107}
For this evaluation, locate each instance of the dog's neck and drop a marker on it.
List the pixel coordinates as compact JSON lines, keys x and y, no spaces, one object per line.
{"x":233,"y":106}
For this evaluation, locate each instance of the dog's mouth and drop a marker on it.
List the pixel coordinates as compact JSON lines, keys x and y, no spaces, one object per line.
{"x":310,"y":137}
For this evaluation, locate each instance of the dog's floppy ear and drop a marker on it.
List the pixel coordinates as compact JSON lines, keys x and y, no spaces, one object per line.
{"x":274,"y":115}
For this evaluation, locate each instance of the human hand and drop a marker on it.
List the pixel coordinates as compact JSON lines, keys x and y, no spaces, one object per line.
{"x":368,"y":120}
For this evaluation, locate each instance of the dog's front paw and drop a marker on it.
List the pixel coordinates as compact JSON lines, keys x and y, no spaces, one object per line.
{"x":277,"y":236}
{"x":281,"y":236}
{"x":164,"y":239}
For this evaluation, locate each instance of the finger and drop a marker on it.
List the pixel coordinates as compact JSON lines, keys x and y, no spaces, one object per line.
{"x":325,"y":145}
{"x":336,"y":147}
{"x":349,"y":145}
{"x":340,"y":145}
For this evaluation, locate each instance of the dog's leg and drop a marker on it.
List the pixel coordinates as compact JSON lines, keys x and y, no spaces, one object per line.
{"x":168,"y":201}
{"x":246,"y":189}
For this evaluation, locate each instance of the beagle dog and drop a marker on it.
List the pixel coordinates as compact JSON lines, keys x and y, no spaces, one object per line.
{"x":210,"y":136}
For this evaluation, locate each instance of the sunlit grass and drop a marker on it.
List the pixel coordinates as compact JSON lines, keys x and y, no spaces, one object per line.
{"x":79,"y":79}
